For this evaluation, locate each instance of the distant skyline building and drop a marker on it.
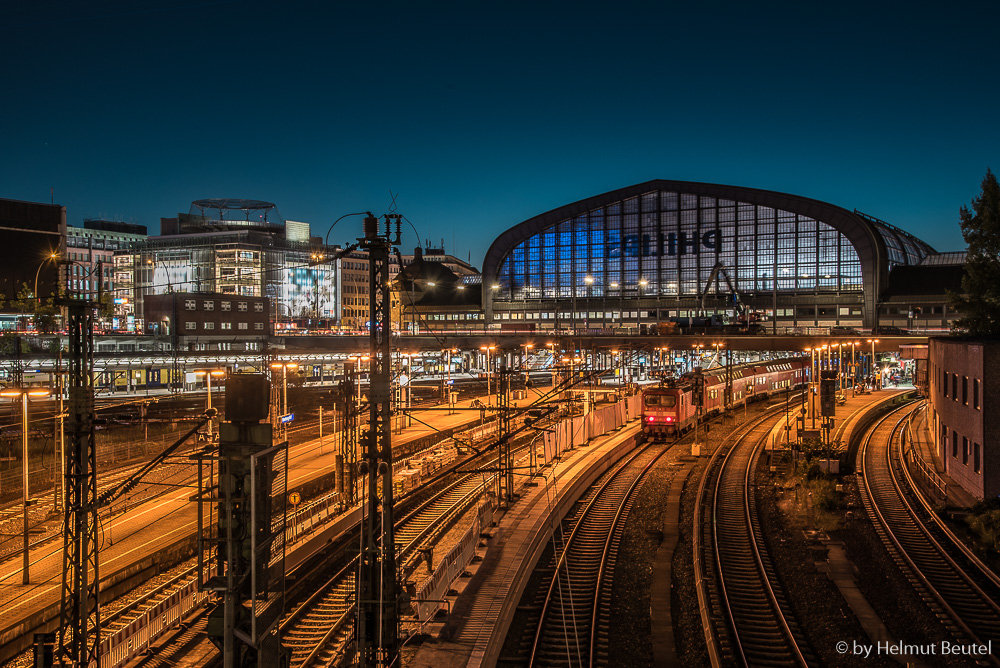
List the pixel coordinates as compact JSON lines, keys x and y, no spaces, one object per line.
{"x":90,"y":252}
{"x":232,"y":248}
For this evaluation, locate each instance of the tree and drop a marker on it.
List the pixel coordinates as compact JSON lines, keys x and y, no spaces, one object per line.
{"x":106,"y":307}
{"x":25,"y":304}
{"x":980,"y":302}
{"x":46,"y":316}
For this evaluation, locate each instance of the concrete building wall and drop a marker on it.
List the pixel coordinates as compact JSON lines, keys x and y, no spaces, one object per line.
{"x":32,"y":232}
{"x":963,"y":392}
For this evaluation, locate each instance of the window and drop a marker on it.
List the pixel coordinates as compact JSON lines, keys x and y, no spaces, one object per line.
{"x":190,"y":304}
{"x":226,"y":306}
{"x":242,"y":306}
{"x":243,"y":325}
{"x":259,"y":307}
{"x":944,"y":383}
{"x":965,"y":390}
{"x":208,"y":305}
{"x":954,"y":386}
{"x":954,"y":444}
{"x":225,"y":325}
{"x":209,"y":325}
{"x":258,"y":325}
{"x":965,"y":451}
{"x":976,"y":454}
{"x":191,"y":325}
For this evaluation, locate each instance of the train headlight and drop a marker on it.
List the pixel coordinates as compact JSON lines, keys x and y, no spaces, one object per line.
{"x":670,"y":419}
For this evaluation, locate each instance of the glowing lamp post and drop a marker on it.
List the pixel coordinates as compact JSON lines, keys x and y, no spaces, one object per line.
{"x":873,"y":342}
{"x":24,"y":393}
{"x":527,"y":347}
{"x":552,"y":361}
{"x":50,"y":257}
{"x":285,"y":366}
{"x":208,"y":373}
{"x":489,"y":374}
{"x":638,"y":314}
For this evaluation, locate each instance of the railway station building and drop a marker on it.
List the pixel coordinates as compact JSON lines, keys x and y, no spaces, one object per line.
{"x":668,"y":250}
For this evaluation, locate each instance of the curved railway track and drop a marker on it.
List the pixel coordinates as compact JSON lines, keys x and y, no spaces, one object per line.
{"x":573,"y":624}
{"x":955,"y":584}
{"x":746,"y":616}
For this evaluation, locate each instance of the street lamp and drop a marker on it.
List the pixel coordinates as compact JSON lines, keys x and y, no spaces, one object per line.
{"x":872,"y":365}
{"x":854,"y":373}
{"x":812,"y":376}
{"x":489,"y":374}
{"x":840,"y":363}
{"x":572,"y":368}
{"x":527,"y":347}
{"x":450,"y":352}
{"x":208,"y":373}
{"x":284,"y":366}
{"x":589,"y":280}
{"x":552,"y":361}
{"x":51,"y":256}
{"x":696,"y":351}
{"x":24,"y":393}
{"x":638,"y":314}
{"x":621,"y":303}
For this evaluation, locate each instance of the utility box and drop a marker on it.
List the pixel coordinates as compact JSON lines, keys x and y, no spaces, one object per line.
{"x":248,"y":397}
{"x":828,"y":394}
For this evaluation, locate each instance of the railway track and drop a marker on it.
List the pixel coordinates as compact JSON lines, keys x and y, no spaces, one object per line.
{"x":957,"y":587}
{"x":573,"y":623}
{"x":746,"y":616}
{"x":128,"y":608}
{"x":317,"y":630}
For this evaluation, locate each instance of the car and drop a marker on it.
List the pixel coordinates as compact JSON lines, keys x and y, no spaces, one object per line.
{"x":889,"y":330}
{"x":840,"y":330}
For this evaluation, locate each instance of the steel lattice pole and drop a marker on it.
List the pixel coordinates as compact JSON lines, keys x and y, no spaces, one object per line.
{"x":378,"y":592}
{"x":79,"y":613}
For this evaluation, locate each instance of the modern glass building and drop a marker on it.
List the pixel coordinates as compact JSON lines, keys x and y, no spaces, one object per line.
{"x":665,"y":249}
{"x":246,"y":249}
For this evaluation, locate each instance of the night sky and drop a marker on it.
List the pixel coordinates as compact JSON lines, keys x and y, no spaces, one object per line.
{"x":481,"y":115}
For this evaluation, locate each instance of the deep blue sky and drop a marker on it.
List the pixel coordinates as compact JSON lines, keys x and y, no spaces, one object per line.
{"x":481,"y":115}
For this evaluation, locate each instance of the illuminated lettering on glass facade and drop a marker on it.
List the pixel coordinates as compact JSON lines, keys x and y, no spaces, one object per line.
{"x":666,"y":243}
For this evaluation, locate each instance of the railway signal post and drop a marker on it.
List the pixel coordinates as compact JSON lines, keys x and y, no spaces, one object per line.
{"x":249,"y":571}
{"x":378,"y":592}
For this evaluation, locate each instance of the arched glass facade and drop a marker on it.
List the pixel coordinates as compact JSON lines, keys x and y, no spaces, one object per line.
{"x":665,"y":244}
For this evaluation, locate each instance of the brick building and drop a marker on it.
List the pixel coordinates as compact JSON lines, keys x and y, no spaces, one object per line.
{"x":964,"y":393}
{"x":208,"y":320}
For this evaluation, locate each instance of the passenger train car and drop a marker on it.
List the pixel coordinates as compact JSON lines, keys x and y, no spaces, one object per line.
{"x":671,"y":410}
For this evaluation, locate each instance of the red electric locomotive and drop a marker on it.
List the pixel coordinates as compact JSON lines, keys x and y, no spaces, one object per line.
{"x":667,"y":410}
{"x":671,"y":410}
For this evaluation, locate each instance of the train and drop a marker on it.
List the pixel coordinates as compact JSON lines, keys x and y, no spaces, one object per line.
{"x":670,"y":410}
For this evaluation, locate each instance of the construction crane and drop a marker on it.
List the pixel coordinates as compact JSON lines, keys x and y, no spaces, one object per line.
{"x":744,"y":316}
